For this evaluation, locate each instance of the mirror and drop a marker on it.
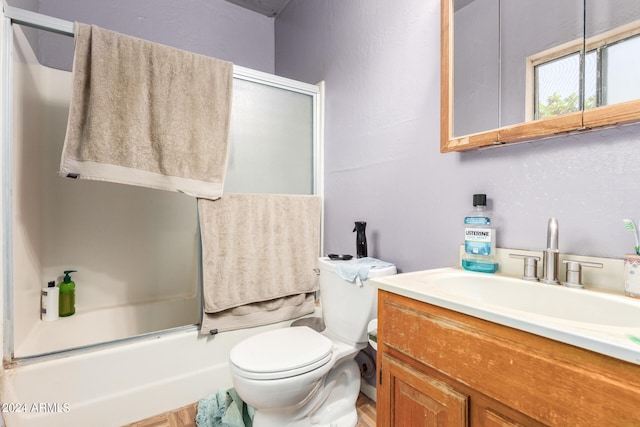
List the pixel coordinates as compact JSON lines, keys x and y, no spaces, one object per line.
{"x":477,"y":72}
{"x":521,"y":72}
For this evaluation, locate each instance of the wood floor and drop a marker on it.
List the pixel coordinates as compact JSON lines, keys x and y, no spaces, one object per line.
{"x":366,"y":412}
{"x":186,"y":416}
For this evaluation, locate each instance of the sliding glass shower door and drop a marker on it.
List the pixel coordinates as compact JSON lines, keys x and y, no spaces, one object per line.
{"x":136,"y":250}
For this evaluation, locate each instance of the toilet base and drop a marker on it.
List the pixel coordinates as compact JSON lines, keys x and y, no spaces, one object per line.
{"x":332,"y":405}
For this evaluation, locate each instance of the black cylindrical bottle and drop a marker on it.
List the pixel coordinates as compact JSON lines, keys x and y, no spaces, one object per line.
{"x":361,"y":239}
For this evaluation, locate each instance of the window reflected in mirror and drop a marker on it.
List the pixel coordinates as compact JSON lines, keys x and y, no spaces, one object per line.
{"x":610,"y":76}
{"x":619,"y":64}
{"x":557,"y":86}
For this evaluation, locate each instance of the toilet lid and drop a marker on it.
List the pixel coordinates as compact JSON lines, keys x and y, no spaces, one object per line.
{"x":275,"y":354}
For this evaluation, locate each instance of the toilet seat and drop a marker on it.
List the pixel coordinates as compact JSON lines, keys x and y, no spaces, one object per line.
{"x":281,"y":353}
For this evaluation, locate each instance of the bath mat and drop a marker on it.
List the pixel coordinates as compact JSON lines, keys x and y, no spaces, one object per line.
{"x":224,"y":409}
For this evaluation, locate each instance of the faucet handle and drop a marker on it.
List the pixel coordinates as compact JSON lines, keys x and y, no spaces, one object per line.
{"x":530,"y":266}
{"x":574,"y":272}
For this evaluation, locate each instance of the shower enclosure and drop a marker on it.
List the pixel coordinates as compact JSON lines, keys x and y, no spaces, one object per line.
{"x":132,"y":350}
{"x":136,"y":250}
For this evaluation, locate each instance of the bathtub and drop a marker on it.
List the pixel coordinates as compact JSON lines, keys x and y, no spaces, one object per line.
{"x":120,"y":383}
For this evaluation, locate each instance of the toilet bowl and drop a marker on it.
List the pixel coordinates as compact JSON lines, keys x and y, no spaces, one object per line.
{"x":299,"y":377}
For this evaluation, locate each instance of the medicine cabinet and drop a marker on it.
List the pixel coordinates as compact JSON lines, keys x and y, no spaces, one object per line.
{"x":518,"y":70}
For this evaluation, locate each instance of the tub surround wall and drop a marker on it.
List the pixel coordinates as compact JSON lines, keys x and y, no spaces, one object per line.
{"x":131,"y":246}
{"x":381,"y":64}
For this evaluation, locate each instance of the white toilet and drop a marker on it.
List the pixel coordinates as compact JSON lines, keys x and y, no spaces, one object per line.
{"x":299,"y":377}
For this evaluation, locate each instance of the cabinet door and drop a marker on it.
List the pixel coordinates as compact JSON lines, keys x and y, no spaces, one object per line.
{"x":494,"y":419}
{"x":412,"y":398}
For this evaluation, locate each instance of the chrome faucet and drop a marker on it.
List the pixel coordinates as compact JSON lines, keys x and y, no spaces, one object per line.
{"x":550,"y":255}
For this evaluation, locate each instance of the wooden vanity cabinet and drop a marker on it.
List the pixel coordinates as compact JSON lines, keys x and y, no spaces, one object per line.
{"x":437,"y":367}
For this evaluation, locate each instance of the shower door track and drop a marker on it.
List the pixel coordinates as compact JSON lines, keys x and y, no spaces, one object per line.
{"x":14,"y":15}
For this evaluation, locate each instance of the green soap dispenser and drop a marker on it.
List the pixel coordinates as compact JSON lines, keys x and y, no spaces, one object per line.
{"x":67,"y":301}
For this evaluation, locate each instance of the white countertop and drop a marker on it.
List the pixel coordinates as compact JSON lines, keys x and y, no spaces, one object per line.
{"x":589,"y":327}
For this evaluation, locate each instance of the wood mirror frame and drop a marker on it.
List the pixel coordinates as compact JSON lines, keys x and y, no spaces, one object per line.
{"x":608,"y":115}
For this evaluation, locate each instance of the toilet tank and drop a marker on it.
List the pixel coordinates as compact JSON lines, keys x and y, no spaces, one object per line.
{"x":347,"y":307}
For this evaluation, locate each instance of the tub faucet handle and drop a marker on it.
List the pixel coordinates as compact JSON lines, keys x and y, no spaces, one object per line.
{"x":574,"y":272}
{"x":530,"y":271}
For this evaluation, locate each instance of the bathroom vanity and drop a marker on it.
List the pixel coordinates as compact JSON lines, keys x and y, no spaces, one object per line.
{"x":438,"y":366}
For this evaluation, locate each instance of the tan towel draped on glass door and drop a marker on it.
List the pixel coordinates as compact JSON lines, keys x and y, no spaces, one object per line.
{"x":259,"y":255}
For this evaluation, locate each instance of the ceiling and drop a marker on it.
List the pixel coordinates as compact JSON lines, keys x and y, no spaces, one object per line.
{"x":270,"y":8}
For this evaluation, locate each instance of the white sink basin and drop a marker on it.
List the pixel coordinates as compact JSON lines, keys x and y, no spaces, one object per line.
{"x":577,"y":305}
{"x":602,"y":322}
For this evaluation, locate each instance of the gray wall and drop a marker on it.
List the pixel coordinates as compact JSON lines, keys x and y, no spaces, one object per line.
{"x":209,"y":27}
{"x":381,"y":64}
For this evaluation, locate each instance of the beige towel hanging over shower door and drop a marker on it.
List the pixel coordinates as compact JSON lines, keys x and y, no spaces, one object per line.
{"x":259,"y":254}
{"x":146,"y":114}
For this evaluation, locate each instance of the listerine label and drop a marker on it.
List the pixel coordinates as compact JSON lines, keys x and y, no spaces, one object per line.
{"x":477,"y":220}
{"x":477,"y":241}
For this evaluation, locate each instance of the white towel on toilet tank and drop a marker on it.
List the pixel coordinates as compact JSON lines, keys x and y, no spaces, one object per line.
{"x":259,"y":254}
{"x":359,"y":268}
{"x":146,"y":114}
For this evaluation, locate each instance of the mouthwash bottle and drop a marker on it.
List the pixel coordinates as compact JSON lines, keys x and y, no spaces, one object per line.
{"x":479,"y":238}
